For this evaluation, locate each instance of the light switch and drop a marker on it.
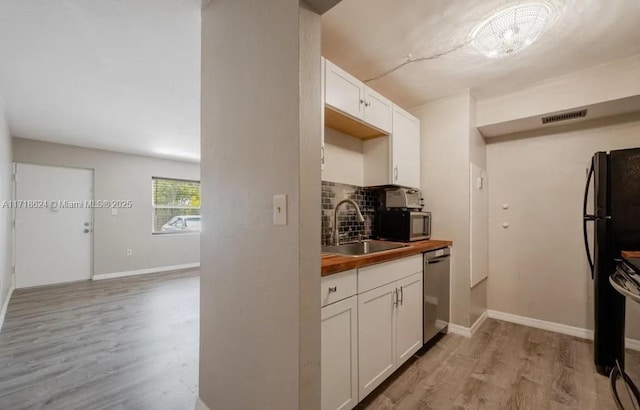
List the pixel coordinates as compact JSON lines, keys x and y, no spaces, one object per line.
{"x":280,"y":209}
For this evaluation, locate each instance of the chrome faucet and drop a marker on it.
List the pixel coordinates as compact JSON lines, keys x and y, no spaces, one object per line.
{"x":336,"y":237}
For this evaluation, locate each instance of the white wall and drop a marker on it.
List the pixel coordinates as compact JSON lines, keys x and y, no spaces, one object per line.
{"x":261,"y":130}
{"x":343,"y":158}
{"x":122,"y":176}
{"x":450,"y":142}
{"x":538,"y":266}
{"x":6,"y":280}
{"x":606,"y":82}
{"x":444,"y":130}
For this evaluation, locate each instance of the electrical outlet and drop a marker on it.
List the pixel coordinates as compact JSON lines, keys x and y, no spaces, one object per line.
{"x":129,"y":252}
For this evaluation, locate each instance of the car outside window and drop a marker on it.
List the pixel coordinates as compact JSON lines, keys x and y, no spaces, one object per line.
{"x":176,"y":206}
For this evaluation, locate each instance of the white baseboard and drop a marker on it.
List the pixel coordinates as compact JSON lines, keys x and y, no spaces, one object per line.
{"x":200,"y":405}
{"x":5,"y":305}
{"x":632,"y":344}
{"x":113,"y":275}
{"x":468,"y":331}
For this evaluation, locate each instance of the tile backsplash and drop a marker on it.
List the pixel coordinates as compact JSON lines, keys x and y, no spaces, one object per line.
{"x":349,"y":228}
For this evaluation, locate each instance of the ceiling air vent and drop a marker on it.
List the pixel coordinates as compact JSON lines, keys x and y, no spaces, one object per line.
{"x":564,"y":117}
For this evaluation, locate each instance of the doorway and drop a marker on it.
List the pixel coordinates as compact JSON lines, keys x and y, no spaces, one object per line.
{"x":53,"y":222}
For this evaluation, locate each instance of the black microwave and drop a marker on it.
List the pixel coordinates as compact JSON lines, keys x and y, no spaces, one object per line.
{"x":403,"y":225}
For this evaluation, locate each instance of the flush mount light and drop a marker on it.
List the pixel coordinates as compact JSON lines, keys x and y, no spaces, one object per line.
{"x":512,"y":29}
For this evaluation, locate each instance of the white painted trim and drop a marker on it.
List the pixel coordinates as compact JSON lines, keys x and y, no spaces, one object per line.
{"x":113,"y":275}
{"x":468,"y":331}
{"x":479,"y":322}
{"x":632,"y":344}
{"x":542,"y":324}
{"x":459,"y":330}
{"x":200,"y":405}
{"x":5,"y":306}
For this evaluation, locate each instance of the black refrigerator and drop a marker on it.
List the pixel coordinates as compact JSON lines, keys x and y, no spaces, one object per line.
{"x":615,"y":180}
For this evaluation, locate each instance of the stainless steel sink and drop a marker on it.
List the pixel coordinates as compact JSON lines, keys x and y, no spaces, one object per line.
{"x":362,"y":248}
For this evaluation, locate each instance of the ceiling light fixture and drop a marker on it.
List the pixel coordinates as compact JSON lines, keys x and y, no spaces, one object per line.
{"x":512,"y":29}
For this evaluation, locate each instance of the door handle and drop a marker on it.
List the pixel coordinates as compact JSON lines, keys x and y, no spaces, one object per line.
{"x":586,"y":218}
{"x":395,"y":298}
{"x":401,"y":296}
{"x":395,"y":173}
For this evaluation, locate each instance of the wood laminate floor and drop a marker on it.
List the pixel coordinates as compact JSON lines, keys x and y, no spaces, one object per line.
{"x":132,"y":343}
{"x":503,"y":366}
{"x":129,"y":343}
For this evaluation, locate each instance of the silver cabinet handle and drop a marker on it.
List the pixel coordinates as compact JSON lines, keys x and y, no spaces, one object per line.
{"x":395,"y":298}
{"x":401,"y":296}
{"x":322,"y":155}
{"x":367,"y":104}
{"x":395,"y":173}
{"x":333,"y":289}
{"x":362,"y":101}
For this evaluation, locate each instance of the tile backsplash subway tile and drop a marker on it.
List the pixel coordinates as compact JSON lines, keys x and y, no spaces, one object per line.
{"x":349,"y":228}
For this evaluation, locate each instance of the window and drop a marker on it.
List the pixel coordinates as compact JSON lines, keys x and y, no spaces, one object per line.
{"x":176,"y":206}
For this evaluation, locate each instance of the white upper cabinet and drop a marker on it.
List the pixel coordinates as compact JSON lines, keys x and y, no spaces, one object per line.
{"x":394,"y":160}
{"x":391,"y":135}
{"x":323,"y":67}
{"x":377,"y":110}
{"x":343,"y":91}
{"x":405,"y":149}
{"x":350,"y":96}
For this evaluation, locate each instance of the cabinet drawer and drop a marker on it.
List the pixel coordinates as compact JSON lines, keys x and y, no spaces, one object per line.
{"x":381,"y":274}
{"x":338,"y":286}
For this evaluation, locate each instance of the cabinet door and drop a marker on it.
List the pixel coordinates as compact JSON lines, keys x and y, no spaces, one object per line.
{"x":339,"y":350}
{"x":377,"y":110}
{"x":343,"y":91}
{"x":405,"y":149}
{"x":376,"y":337}
{"x":322,"y":99}
{"x":409,"y":317}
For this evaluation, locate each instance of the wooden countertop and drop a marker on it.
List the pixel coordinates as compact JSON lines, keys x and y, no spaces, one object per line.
{"x":333,"y":263}
{"x":630,"y":254}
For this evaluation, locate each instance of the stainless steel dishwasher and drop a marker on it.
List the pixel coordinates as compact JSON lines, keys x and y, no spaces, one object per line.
{"x":436,"y":293}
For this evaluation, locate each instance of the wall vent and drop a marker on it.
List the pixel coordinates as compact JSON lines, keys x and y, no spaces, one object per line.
{"x":563,"y":117}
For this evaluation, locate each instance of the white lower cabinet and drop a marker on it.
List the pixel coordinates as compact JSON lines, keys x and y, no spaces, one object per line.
{"x":389,"y":330}
{"x":376,"y":337}
{"x":339,"y":350}
{"x":409,"y":317}
{"x":368,"y":336}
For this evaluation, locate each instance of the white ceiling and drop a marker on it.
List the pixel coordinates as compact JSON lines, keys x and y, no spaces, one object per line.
{"x":115,"y":74}
{"x":367,"y":37}
{"x":125,"y":75}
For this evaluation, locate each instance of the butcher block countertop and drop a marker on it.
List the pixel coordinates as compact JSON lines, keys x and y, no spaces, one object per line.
{"x":334,"y":263}
{"x":630,"y":254}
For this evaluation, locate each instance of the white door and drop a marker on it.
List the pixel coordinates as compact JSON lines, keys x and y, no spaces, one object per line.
{"x":377,"y":110}
{"x":405,"y":147}
{"x":53,"y":225}
{"x":409,"y":317}
{"x":343,"y":91}
{"x":339,"y":363}
{"x":376,"y":337}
